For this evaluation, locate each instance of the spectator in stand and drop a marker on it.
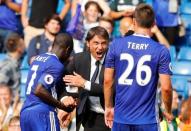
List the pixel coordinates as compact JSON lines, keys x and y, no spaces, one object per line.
{"x":158,"y":36}
{"x":42,"y":43}
{"x":91,"y":16}
{"x":127,"y":28}
{"x":9,"y":67}
{"x":14,"y":124}
{"x":40,"y":9}
{"x":185,"y":115}
{"x":121,"y":8}
{"x":167,"y":18}
{"x":8,"y":108}
{"x":8,"y":20}
{"x":102,"y":3}
{"x":108,"y":24}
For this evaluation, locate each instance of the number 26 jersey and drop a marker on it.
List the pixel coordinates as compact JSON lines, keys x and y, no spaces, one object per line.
{"x":137,"y":61}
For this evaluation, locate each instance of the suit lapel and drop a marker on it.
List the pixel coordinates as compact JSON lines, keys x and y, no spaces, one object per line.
{"x":88,"y":65}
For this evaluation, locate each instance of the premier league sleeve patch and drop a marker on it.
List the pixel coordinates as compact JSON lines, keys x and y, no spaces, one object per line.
{"x":48,"y":79}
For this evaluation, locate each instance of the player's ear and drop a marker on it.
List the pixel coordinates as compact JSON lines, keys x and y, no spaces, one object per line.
{"x":154,"y":23}
{"x":134,"y":21}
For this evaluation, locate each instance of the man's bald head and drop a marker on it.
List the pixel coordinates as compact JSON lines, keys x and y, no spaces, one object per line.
{"x":126,"y":24}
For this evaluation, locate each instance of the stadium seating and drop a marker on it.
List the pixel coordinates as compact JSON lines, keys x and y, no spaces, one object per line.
{"x":150,"y":2}
{"x":172,"y":53}
{"x":181,"y":68}
{"x":185,"y":7}
{"x":23,"y":91}
{"x":187,"y":20}
{"x":24,"y":73}
{"x":181,"y":85}
{"x":184,"y":54}
{"x":181,"y":77}
{"x":24,"y":63}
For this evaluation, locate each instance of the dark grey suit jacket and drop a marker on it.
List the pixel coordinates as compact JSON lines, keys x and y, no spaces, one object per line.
{"x":81,"y":64}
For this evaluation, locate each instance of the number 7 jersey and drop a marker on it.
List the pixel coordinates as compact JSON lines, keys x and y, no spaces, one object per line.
{"x":46,"y":69}
{"x":137,"y":61}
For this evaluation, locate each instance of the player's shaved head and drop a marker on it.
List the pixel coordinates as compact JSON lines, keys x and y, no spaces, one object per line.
{"x":63,"y":40}
{"x":63,"y":46}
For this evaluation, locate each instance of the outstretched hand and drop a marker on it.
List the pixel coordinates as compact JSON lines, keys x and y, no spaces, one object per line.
{"x":74,"y":80}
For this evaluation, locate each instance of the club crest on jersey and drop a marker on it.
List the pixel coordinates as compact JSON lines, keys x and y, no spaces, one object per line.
{"x":48,"y":79}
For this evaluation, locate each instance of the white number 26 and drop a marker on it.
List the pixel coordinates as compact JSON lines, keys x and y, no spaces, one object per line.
{"x":123,"y":79}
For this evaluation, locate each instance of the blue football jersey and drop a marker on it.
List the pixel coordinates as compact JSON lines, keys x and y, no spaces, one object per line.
{"x":137,"y":61}
{"x":46,"y":69}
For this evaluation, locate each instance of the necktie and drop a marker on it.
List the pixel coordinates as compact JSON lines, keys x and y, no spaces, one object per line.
{"x":82,"y":102}
{"x":95,"y":72}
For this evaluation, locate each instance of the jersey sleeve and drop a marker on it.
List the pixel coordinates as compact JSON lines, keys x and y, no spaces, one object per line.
{"x":50,"y":77}
{"x":110,"y":57}
{"x":165,"y":62}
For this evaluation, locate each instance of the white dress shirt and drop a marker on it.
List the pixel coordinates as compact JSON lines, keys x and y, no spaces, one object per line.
{"x":94,"y":101}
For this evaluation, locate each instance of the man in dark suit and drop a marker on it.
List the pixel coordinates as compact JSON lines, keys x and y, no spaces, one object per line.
{"x":87,"y":75}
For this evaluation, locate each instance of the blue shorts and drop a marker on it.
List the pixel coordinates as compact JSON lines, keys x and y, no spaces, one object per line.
{"x":39,"y":121}
{"x":128,"y":127}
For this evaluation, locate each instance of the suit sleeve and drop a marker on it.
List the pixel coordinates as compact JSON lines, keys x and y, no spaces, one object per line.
{"x":61,"y":86}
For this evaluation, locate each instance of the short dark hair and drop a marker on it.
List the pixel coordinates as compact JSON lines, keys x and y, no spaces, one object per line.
{"x":144,"y":15}
{"x":53,"y":17}
{"x":89,"y":3}
{"x":99,"y":31}
{"x":12,"y":42}
{"x":107,"y":19}
{"x":63,"y":40}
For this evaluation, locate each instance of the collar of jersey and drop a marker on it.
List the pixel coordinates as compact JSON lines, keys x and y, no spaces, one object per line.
{"x":141,"y":35}
{"x":49,"y":53}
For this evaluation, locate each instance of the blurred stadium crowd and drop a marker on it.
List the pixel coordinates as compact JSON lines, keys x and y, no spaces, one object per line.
{"x":28,"y":28}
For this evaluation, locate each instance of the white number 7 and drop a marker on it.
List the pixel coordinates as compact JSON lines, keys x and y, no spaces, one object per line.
{"x":34,"y":68}
{"x":123,"y":79}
